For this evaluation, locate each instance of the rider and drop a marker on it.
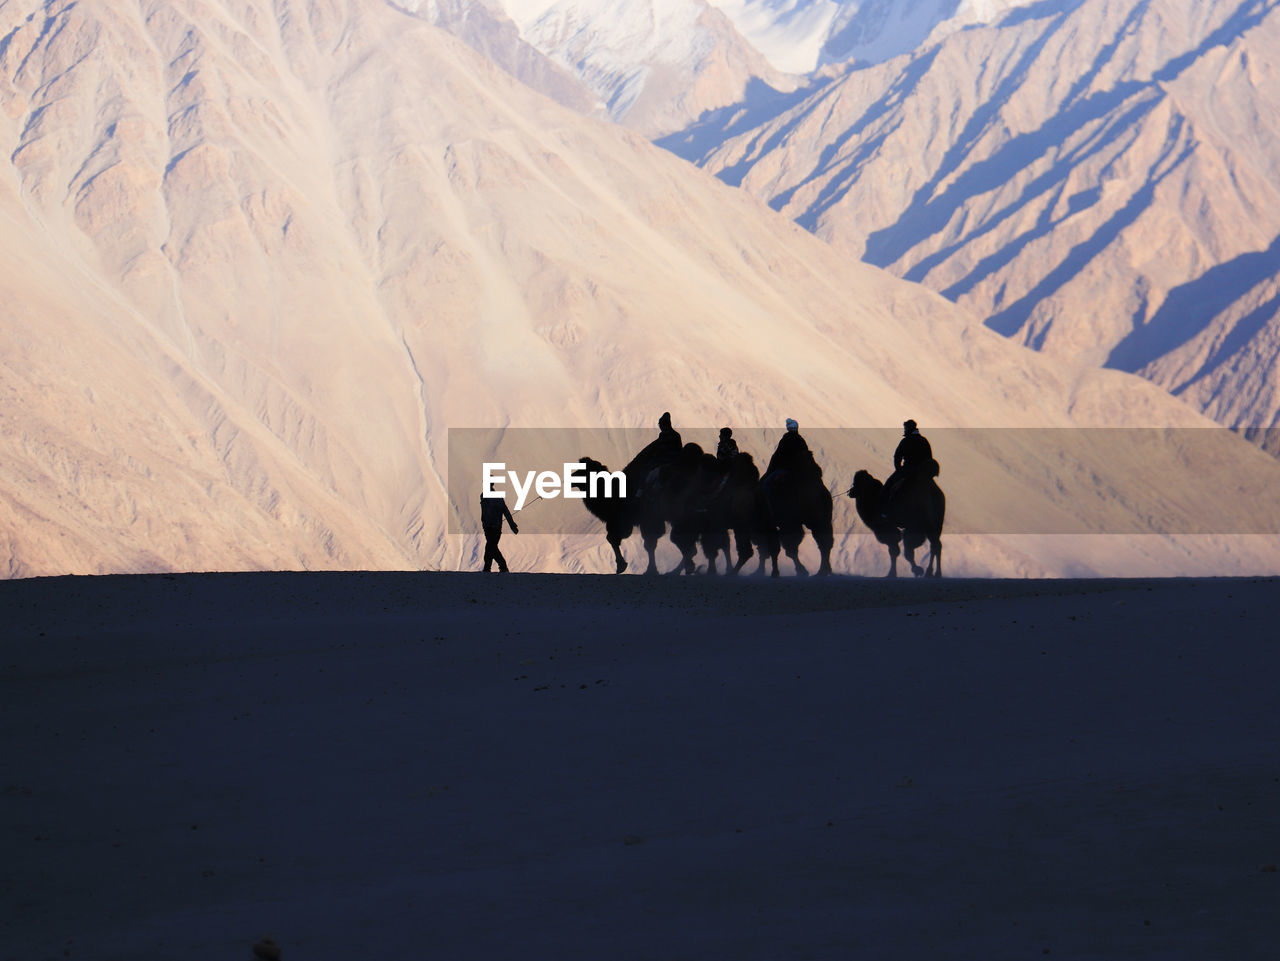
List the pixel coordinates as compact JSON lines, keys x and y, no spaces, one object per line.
{"x":912,"y":458}
{"x":727,"y":448}
{"x":666,"y":433}
{"x":661,"y":450}
{"x":792,"y":452}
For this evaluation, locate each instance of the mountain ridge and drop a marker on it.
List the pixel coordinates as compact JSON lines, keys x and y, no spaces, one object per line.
{"x":1065,"y":174}
{"x":260,"y":262}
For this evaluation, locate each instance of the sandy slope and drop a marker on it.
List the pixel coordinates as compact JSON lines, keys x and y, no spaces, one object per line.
{"x":405,"y":765}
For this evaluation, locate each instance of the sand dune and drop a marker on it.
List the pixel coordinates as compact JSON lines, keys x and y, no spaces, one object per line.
{"x":402,"y":765}
{"x":260,"y":258}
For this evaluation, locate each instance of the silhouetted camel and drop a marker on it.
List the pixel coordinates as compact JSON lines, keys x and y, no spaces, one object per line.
{"x":639,"y":508}
{"x":797,"y":499}
{"x":691,"y":491}
{"x":683,"y":491}
{"x":915,"y":515}
{"x":622,"y":516}
{"x":739,"y":505}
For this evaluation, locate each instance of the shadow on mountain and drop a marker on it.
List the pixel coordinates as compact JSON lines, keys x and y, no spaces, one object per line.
{"x":1189,"y":307}
{"x":837,"y":187}
{"x":1039,"y":11}
{"x":759,"y":105}
{"x":1247,"y":16}
{"x":1005,"y":165}
{"x":1011,"y":319}
{"x":1078,"y":115}
{"x":926,"y":215}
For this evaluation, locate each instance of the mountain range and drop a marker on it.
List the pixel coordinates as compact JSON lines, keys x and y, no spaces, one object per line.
{"x":1032,"y":162}
{"x":260,"y":256}
{"x":1095,"y":179}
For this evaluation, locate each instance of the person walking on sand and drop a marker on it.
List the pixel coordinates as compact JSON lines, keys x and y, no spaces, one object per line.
{"x":493,"y":509}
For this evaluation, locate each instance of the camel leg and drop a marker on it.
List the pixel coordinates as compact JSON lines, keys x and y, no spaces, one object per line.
{"x":713,"y":547}
{"x":909,"y":553}
{"x":688,"y":547}
{"x":687,"y":564}
{"x":801,"y":570}
{"x":826,"y":541}
{"x":745,"y":552}
{"x":651,"y":548}
{"x":768,"y":547}
{"x":893,"y":558}
{"x":790,"y":540}
{"x":935,"y":557}
{"x":617,"y":555}
{"x":773,"y":560}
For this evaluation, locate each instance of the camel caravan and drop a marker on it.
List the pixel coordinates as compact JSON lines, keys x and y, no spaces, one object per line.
{"x":704,"y":499}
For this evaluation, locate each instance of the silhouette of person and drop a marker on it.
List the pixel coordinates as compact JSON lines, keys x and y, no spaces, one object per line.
{"x":661,"y":450}
{"x":492,"y":511}
{"x":727,"y":449}
{"x":912,"y":458}
{"x":792,"y":452}
{"x":668,"y":435}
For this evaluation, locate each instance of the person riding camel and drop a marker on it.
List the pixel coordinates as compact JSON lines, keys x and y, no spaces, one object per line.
{"x":666,"y":433}
{"x":913,"y":458}
{"x":792,"y":453}
{"x":727,"y":448}
{"x":661,"y":450}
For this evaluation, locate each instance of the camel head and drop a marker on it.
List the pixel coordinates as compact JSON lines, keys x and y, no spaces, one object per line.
{"x":863,"y":485}
{"x":591,"y":465}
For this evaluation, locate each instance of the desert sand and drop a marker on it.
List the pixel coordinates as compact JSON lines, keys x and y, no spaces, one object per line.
{"x":455,"y":765}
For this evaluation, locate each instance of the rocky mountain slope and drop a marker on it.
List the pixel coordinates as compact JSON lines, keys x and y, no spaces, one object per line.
{"x":261,"y":255}
{"x":1097,"y":179}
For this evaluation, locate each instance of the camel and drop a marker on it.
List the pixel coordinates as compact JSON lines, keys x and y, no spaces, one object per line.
{"x":674,"y":488}
{"x":622,"y":515}
{"x":798,"y":499}
{"x":682,"y":492}
{"x":739,"y":505}
{"x":915,"y":515}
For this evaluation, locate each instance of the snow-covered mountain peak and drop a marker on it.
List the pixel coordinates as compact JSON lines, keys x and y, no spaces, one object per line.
{"x":656,"y":64}
{"x":790,"y":33}
{"x":798,"y":36}
{"x":636,"y":29}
